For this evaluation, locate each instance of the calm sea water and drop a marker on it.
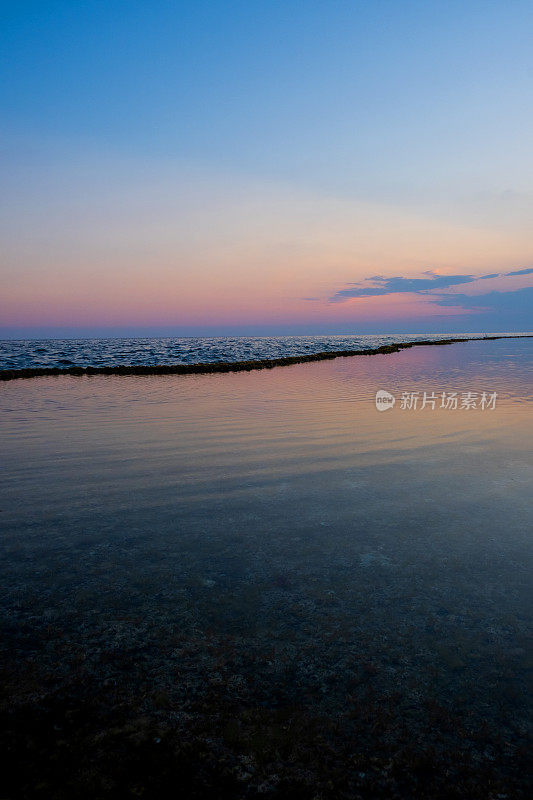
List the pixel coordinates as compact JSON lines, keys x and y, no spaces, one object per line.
{"x":215,"y":552}
{"x":17,"y":354}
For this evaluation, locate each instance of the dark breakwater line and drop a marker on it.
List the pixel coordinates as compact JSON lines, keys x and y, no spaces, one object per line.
{"x":233,"y":366}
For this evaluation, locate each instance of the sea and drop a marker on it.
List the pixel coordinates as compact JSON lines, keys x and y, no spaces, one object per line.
{"x":105,"y":352}
{"x":260,"y":579}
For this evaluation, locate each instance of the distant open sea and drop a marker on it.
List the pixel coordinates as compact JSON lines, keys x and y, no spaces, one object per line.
{"x":23,"y":353}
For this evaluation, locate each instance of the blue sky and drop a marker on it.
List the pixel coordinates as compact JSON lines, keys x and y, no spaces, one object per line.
{"x":239,"y":143}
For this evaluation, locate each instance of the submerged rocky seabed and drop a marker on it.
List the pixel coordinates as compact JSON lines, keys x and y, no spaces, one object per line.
{"x":294,"y":601}
{"x":289,"y":680}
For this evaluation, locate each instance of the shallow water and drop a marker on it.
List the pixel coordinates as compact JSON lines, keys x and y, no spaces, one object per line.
{"x":270,"y":540}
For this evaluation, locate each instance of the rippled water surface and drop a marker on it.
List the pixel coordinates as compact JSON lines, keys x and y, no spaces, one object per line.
{"x":17,"y":354}
{"x":264,"y":566}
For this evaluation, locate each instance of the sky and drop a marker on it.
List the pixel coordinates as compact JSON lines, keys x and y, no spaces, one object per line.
{"x":255,"y":168}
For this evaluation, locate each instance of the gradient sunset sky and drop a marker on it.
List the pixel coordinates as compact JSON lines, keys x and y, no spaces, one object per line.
{"x":266,"y":167}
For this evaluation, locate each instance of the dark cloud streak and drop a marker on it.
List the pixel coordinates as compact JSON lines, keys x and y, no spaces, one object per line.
{"x":527,"y":271}
{"x":400,"y":285}
{"x":430,"y":284}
